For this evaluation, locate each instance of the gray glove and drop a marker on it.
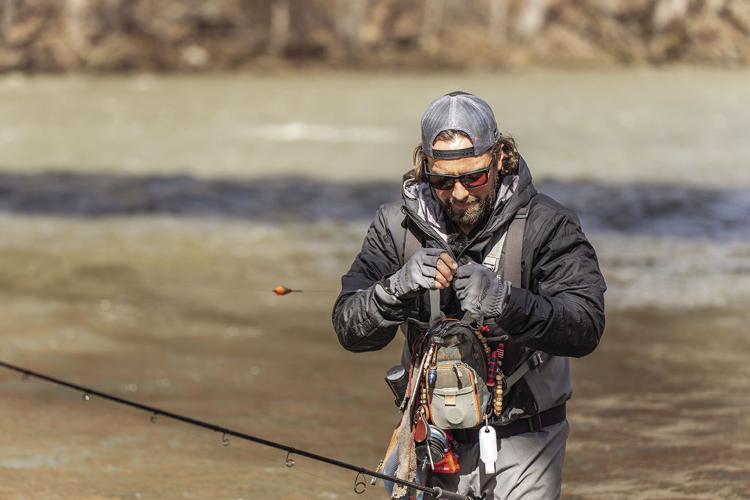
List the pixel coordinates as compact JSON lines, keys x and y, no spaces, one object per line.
{"x":416,"y":275}
{"x":480,"y":290}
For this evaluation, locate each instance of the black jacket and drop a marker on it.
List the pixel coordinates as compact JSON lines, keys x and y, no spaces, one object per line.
{"x":559,"y":309}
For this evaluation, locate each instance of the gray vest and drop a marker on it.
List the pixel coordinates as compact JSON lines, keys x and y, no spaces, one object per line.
{"x":547,"y":377}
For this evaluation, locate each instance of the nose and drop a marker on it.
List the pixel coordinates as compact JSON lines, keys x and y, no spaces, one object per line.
{"x":459,"y":193}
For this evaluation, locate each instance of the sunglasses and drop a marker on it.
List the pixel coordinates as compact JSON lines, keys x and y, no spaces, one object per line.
{"x":470,"y":180}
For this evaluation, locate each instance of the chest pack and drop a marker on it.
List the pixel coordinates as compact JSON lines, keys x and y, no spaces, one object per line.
{"x":457,"y":392}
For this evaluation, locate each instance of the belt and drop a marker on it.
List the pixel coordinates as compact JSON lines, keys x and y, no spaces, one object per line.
{"x":554,"y":415}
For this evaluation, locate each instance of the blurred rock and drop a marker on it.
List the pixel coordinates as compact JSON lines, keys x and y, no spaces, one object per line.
{"x":196,"y":35}
{"x":195,"y":56}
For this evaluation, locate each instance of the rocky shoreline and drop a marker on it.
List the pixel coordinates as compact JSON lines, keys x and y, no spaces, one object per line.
{"x":42,"y":36}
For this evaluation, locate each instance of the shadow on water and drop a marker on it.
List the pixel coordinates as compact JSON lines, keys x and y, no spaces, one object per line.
{"x":663,"y":210}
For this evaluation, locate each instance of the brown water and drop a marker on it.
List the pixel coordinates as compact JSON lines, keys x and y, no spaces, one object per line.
{"x":178,"y":314}
{"x":143,"y":228}
{"x":683,"y":125}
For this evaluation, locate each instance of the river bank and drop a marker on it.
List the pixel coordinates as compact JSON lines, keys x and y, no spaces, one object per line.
{"x":186,"y":36}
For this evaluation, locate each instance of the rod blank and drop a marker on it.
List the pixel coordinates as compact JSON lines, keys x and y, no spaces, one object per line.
{"x":225,"y":432}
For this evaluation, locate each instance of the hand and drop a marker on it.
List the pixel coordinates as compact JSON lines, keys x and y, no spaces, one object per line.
{"x":427,"y":269}
{"x":480,"y":290}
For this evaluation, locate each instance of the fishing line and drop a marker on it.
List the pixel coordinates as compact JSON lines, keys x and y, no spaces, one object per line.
{"x":360,"y":484}
{"x":326,"y":480}
{"x":278,"y":290}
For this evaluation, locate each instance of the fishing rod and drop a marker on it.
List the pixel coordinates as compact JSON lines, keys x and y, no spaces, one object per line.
{"x":359,"y":481}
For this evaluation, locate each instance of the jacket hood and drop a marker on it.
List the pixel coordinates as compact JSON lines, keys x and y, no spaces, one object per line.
{"x":514,"y":192}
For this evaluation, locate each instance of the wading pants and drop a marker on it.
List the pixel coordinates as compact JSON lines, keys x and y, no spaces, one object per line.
{"x":529,"y":466}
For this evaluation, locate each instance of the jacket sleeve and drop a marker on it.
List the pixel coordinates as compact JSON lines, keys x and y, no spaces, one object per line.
{"x":565,"y":317}
{"x":364,"y":317}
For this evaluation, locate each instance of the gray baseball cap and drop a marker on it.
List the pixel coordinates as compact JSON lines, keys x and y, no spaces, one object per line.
{"x":459,"y":111}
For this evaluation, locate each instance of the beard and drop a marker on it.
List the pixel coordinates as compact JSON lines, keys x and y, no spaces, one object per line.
{"x":478,"y":209}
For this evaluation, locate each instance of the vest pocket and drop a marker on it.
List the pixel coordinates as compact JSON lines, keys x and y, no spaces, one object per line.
{"x":455,"y":401}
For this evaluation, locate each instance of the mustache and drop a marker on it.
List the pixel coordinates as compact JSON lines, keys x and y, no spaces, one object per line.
{"x":470,"y":199}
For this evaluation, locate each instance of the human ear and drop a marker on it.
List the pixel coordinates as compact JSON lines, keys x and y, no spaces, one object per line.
{"x":500,"y":155}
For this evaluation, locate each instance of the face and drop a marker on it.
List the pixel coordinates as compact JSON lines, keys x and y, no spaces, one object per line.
{"x":466,"y":207}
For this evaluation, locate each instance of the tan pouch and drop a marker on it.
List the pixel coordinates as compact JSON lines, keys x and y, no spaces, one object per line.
{"x":457,"y":401}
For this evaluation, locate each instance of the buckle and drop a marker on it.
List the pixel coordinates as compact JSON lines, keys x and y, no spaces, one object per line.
{"x":535,"y":360}
{"x":535,"y":423}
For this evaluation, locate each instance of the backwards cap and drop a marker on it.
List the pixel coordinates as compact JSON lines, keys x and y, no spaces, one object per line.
{"x":459,"y":111}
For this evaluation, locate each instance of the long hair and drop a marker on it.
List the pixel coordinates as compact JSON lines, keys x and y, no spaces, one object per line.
{"x":506,"y":144}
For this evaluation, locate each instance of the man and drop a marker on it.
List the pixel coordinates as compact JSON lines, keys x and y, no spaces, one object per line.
{"x":468,"y":186}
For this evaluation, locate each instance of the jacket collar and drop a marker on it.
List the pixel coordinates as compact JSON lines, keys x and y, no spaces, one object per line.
{"x":514,"y":193}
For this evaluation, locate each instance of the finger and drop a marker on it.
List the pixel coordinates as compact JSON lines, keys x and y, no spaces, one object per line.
{"x":444,"y":270}
{"x":425,"y":282}
{"x":466,"y":270}
{"x":433,"y":252}
{"x":448,"y":261}
{"x":443,"y":278}
{"x":460,"y":283}
{"x":429,"y":261}
{"x":441,"y":281}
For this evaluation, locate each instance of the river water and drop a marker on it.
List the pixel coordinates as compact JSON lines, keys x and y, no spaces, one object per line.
{"x":145,"y":220}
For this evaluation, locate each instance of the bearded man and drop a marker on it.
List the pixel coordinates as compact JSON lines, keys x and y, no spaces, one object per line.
{"x":468,"y":185}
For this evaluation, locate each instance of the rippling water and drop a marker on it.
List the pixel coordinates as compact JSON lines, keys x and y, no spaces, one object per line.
{"x":638,"y":209}
{"x":145,"y":220}
{"x":683,"y":126}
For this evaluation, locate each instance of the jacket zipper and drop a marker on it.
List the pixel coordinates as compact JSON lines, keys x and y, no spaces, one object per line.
{"x":429,"y":231}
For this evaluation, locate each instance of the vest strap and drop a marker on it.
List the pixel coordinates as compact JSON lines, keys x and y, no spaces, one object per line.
{"x":513,"y":251}
{"x":534,"y":361}
{"x":435,"y":313}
